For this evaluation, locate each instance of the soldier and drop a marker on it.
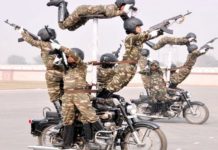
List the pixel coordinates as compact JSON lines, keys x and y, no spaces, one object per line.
{"x":85,"y":12}
{"x":155,"y":82}
{"x":54,"y":73}
{"x":105,"y":71}
{"x":76,"y":96}
{"x":181,"y":73}
{"x":126,"y":68}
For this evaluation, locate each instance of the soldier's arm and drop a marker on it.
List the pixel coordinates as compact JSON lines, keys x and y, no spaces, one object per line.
{"x":141,"y":37}
{"x":168,"y":40}
{"x":36,"y":43}
{"x":112,"y":11}
{"x":70,"y":53}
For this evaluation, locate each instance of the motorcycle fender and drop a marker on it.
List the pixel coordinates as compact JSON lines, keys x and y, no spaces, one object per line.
{"x":192,"y":103}
{"x":147,"y":124}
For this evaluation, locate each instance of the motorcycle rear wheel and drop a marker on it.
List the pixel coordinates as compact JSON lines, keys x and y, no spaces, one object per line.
{"x":153,"y":139}
{"x":46,"y":137}
{"x":200,"y":116}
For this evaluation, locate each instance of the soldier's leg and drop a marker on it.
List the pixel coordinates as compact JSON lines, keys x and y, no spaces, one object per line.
{"x":68,"y":113}
{"x":54,"y":83}
{"x":124,"y":74}
{"x":172,"y":41}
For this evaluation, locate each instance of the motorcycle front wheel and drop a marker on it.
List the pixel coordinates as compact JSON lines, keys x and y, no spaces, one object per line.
{"x":152,"y":139}
{"x":196,"y":114}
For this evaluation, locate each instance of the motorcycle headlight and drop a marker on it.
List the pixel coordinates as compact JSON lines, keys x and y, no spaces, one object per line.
{"x":188,"y":94}
{"x":131,"y":109}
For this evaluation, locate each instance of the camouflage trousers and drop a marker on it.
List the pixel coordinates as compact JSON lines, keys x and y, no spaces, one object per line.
{"x":123,"y":75}
{"x":78,"y":17}
{"x":159,"y":94}
{"x":54,"y":81}
{"x":182,"y":73}
{"x":171,"y":41}
{"x":78,"y":101}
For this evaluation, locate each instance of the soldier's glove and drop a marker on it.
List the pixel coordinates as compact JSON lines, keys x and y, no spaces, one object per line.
{"x":55,"y":46}
{"x":127,"y":8}
{"x":19,"y":30}
{"x":160,"y":32}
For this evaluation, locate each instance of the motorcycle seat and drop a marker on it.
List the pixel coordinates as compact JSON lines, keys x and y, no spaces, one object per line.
{"x":50,"y":114}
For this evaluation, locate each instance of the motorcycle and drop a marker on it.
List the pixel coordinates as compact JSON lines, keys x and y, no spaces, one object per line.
{"x":121,"y":129}
{"x":194,"y":112}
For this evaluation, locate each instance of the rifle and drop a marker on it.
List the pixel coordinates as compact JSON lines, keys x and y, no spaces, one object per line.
{"x":207,"y":46}
{"x":116,"y":53}
{"x":16,"y":27}
{"x":166,"y":23}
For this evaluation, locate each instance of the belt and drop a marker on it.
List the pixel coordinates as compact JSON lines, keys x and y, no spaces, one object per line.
{"x":72,"y":91}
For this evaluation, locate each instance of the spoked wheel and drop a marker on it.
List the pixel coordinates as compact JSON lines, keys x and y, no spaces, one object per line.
{"x":49,"y":136}
{"x":152,"y":139}
{"x":196,"y":114}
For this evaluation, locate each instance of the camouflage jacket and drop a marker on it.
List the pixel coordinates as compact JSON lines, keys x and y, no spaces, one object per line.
{"x":75,"y":77}
{"x":104,"y":75}
{"x":133,"y":44}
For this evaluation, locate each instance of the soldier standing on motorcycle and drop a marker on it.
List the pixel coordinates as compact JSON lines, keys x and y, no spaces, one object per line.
{"x":54,"y":73}
{"x":76,"y":96}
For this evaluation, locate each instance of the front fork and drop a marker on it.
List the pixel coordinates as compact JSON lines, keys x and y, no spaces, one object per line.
{"x":132,"y":129}
{"x":190,"y":106}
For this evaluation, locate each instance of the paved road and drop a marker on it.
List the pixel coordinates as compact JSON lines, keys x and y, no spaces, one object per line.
{"x":18,"y":106}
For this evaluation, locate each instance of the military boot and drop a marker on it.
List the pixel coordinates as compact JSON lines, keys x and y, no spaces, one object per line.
{"x":62,"y":9}
{"x":55,"y":2}
{"x":68,"y":136}
{"x":104,"y":94}
{"x":191,"y":37}
{"x":57,"y":105}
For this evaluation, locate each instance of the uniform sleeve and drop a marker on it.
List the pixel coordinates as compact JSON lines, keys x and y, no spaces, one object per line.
{"x":70,"y":53}
{"x":135,"y":38}
{"x":112,"y":11}
{"x":36,"y":43}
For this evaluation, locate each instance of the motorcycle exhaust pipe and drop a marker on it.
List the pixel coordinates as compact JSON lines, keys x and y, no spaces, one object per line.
{"x":44,"y":148}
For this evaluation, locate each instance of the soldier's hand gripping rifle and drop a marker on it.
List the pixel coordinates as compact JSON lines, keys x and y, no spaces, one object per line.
{"x":207,"y":46}
{"x":17,"y":27}
{"x":163,"y":26}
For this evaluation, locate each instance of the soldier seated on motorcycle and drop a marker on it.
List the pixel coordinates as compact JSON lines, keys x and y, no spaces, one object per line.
{"x":157,"y":89}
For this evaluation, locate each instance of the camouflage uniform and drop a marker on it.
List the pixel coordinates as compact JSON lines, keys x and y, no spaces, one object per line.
{"x":104,"y":75}
{"x":125,"y":71}
{"x":182,"y":73}
{"x":78,"y":17}
{"x":54,"y":74}
{"x":155,"y":85}
{"x":171,"y":41}
{"x":75,"y":96}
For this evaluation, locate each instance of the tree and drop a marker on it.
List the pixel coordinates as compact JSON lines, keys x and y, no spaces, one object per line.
{"x":38,"y":60}
{"x":16,"y":60}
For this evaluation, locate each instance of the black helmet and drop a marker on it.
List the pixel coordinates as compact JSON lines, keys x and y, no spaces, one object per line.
{"x":145,"y":52}
{"x":107,"y":58}
{"x":78,"y":52}
{"x":155,"y":62}
{"x":131,"y":24}
{"x":173,"y":67}
{"x":192,"y":47}
{"x":47,"y":34}
{"x":119,"y":3}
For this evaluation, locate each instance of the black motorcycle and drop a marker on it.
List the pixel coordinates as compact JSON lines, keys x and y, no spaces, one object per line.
{"x":194,"y":112}
{"x":122,"y":129}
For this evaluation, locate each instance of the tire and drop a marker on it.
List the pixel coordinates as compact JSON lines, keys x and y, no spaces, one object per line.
{"x":153,"y":139}
{"x":142,"y":109}
{"x":47,"y":138}
{"x":201,"y":114}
